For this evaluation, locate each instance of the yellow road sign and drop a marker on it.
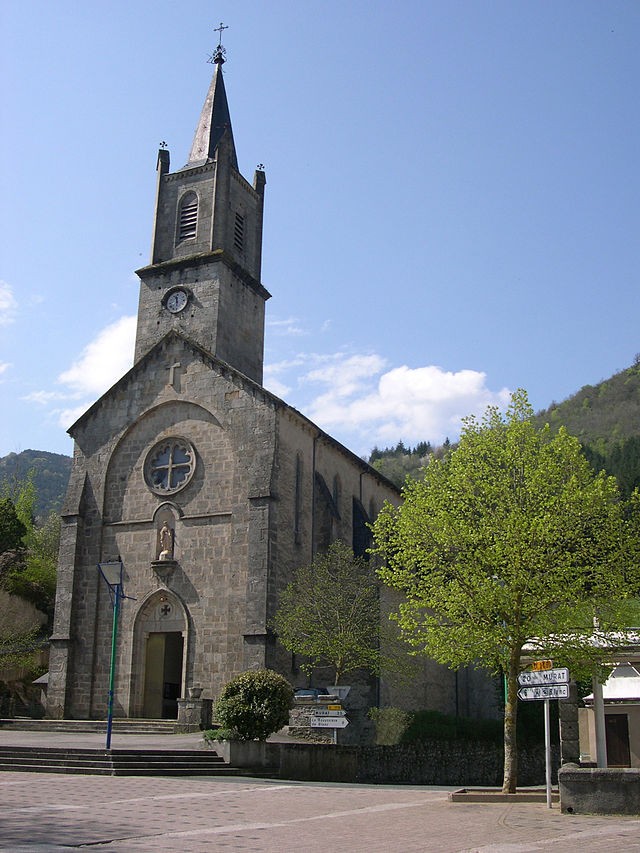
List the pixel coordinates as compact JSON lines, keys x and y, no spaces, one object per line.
{"x":539,"y":665}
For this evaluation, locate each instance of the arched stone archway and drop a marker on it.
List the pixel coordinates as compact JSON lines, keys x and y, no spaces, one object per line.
{"x":159,"y":656}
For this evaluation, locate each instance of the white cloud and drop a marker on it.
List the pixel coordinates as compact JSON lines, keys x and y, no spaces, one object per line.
{"x":104,"y":360}
{"x":4,"y":366}
{"x":273,"y":384}
{"x":8,"y":304}
{"x":67,"y":417}
{"x":424,"y":403}
{"x":43,"y":398}
{"x":290,"y":327}
{"x":278,"y":367}
{"x":346,"y":373}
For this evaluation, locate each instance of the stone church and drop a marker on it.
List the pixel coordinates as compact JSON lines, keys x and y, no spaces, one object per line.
{"x":210,"y":490}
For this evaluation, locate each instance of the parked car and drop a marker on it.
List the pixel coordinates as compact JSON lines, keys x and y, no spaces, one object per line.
{"x":311,"y":692}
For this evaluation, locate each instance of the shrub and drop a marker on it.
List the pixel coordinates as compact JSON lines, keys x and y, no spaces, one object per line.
{"x":432,"y":725}
{"x":390,"y":723}
{"x":396,"y":726}
{"x":254,"y":705}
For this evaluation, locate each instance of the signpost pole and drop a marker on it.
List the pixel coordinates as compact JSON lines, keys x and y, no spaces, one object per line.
{"x":543,"y":682}
{"x":547,"y":750}
{"x":112,"y":667}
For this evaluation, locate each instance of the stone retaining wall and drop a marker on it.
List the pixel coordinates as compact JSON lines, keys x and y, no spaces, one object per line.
{"x":427,"y":763}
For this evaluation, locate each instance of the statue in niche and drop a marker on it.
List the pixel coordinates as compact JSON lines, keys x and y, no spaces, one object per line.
{"x":166,"y":542}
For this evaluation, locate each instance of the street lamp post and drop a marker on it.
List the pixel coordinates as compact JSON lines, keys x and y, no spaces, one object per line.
{"x":112,"y":574}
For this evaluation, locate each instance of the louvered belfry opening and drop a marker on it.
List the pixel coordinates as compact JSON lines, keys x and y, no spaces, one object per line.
{"x":238,"y":232}
{"x":188,"y":221}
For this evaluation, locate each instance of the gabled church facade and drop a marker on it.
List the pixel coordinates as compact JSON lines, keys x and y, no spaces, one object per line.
{"x":208,"y":488}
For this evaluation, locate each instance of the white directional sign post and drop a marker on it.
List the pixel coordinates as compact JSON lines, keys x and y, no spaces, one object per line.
{"x":560,"y":675}
{"x":329,"y":722}
{"x":544,"y":682}
{"x":550,"y":691}
{"x":324,"y":712}
{"x":333,"y":717}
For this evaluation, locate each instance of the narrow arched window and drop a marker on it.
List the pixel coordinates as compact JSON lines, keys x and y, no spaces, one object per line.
{"x":297,"y":509}
{"x":188,"y":216}
{"x":336,"y":493}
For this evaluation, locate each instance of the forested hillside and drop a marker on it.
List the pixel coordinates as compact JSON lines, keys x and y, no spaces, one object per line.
{"x":606,"y":419}
{"x":51,"y":475}
{"x":602,"y":415}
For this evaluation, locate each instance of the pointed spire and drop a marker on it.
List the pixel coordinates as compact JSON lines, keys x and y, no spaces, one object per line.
{"x":215,"y":119}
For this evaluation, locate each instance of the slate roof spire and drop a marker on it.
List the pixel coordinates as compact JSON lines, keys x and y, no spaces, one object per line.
{"x":215,"y":120}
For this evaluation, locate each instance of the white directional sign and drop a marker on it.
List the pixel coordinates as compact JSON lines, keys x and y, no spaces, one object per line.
{"x":329,"y":722}
{"x":549,"y":676}
{"x":551,"y":691}
{"x":324,"y":712}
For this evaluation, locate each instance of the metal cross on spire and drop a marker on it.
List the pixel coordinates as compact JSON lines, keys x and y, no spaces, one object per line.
{"x":219,"y":55}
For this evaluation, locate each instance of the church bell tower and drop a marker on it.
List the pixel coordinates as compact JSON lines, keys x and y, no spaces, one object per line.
{"x":204,"y":276}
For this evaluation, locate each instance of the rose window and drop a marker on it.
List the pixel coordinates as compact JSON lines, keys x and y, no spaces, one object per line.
{"x":170,"y":466}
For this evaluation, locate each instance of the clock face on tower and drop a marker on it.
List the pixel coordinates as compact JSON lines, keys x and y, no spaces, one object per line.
{"x":176,"y":300}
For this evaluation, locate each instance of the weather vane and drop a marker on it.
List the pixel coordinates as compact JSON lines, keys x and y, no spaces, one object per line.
{"x":219,"y":55}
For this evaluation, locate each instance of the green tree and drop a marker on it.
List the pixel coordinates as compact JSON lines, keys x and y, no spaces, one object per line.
{"x":18,"y":649}
{"x":510,"y":545}
{"x":12,"y":529}
{"x":28,"y":551}
{"x":34,"y":577}
{"x":330,"y":613}
{"x":254,"y":705}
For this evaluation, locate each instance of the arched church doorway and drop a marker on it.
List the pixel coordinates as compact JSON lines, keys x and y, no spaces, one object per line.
{"x":161,"y":632}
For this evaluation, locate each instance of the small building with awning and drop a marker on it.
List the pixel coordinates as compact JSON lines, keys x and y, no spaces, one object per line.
{"x":621,"y":696}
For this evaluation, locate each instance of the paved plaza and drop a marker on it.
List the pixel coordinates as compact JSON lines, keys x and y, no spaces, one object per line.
{"x":50,"y":812}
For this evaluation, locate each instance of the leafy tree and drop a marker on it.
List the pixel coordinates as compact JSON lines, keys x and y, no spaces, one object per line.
{"x":398,"y":468}
{"x":330,"y":613}
{"x":18,"y":649}
{"x":12,"y":529}
{"x":254,"y":705}
{"x":34,"y":577}
{"x":28,"y":551}
{"x":399,"y":462}
{"x":422,"y":449}
{"x":510,"y":545}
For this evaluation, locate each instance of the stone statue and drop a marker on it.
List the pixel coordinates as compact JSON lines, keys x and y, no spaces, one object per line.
{"x":166,"y":542}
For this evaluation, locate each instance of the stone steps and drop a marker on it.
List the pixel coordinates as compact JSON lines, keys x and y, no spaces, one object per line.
{"x":115,"y":762}
{"x":120,"y":725}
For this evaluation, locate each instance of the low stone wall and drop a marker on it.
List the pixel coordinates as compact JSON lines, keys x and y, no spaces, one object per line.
{"x":427,"y":763}
{"x":249,"y":754}
{"x":593,"y":790}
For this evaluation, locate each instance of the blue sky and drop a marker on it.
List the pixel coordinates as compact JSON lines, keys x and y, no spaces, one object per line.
{"x":452,"y":205}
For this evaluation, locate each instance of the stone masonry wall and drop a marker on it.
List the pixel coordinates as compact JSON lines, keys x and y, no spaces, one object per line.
{"x":426,"y":763}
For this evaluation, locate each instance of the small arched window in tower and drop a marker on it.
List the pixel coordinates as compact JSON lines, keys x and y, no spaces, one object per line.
{"x":188,"y":217}
{"x":238,"y":232}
